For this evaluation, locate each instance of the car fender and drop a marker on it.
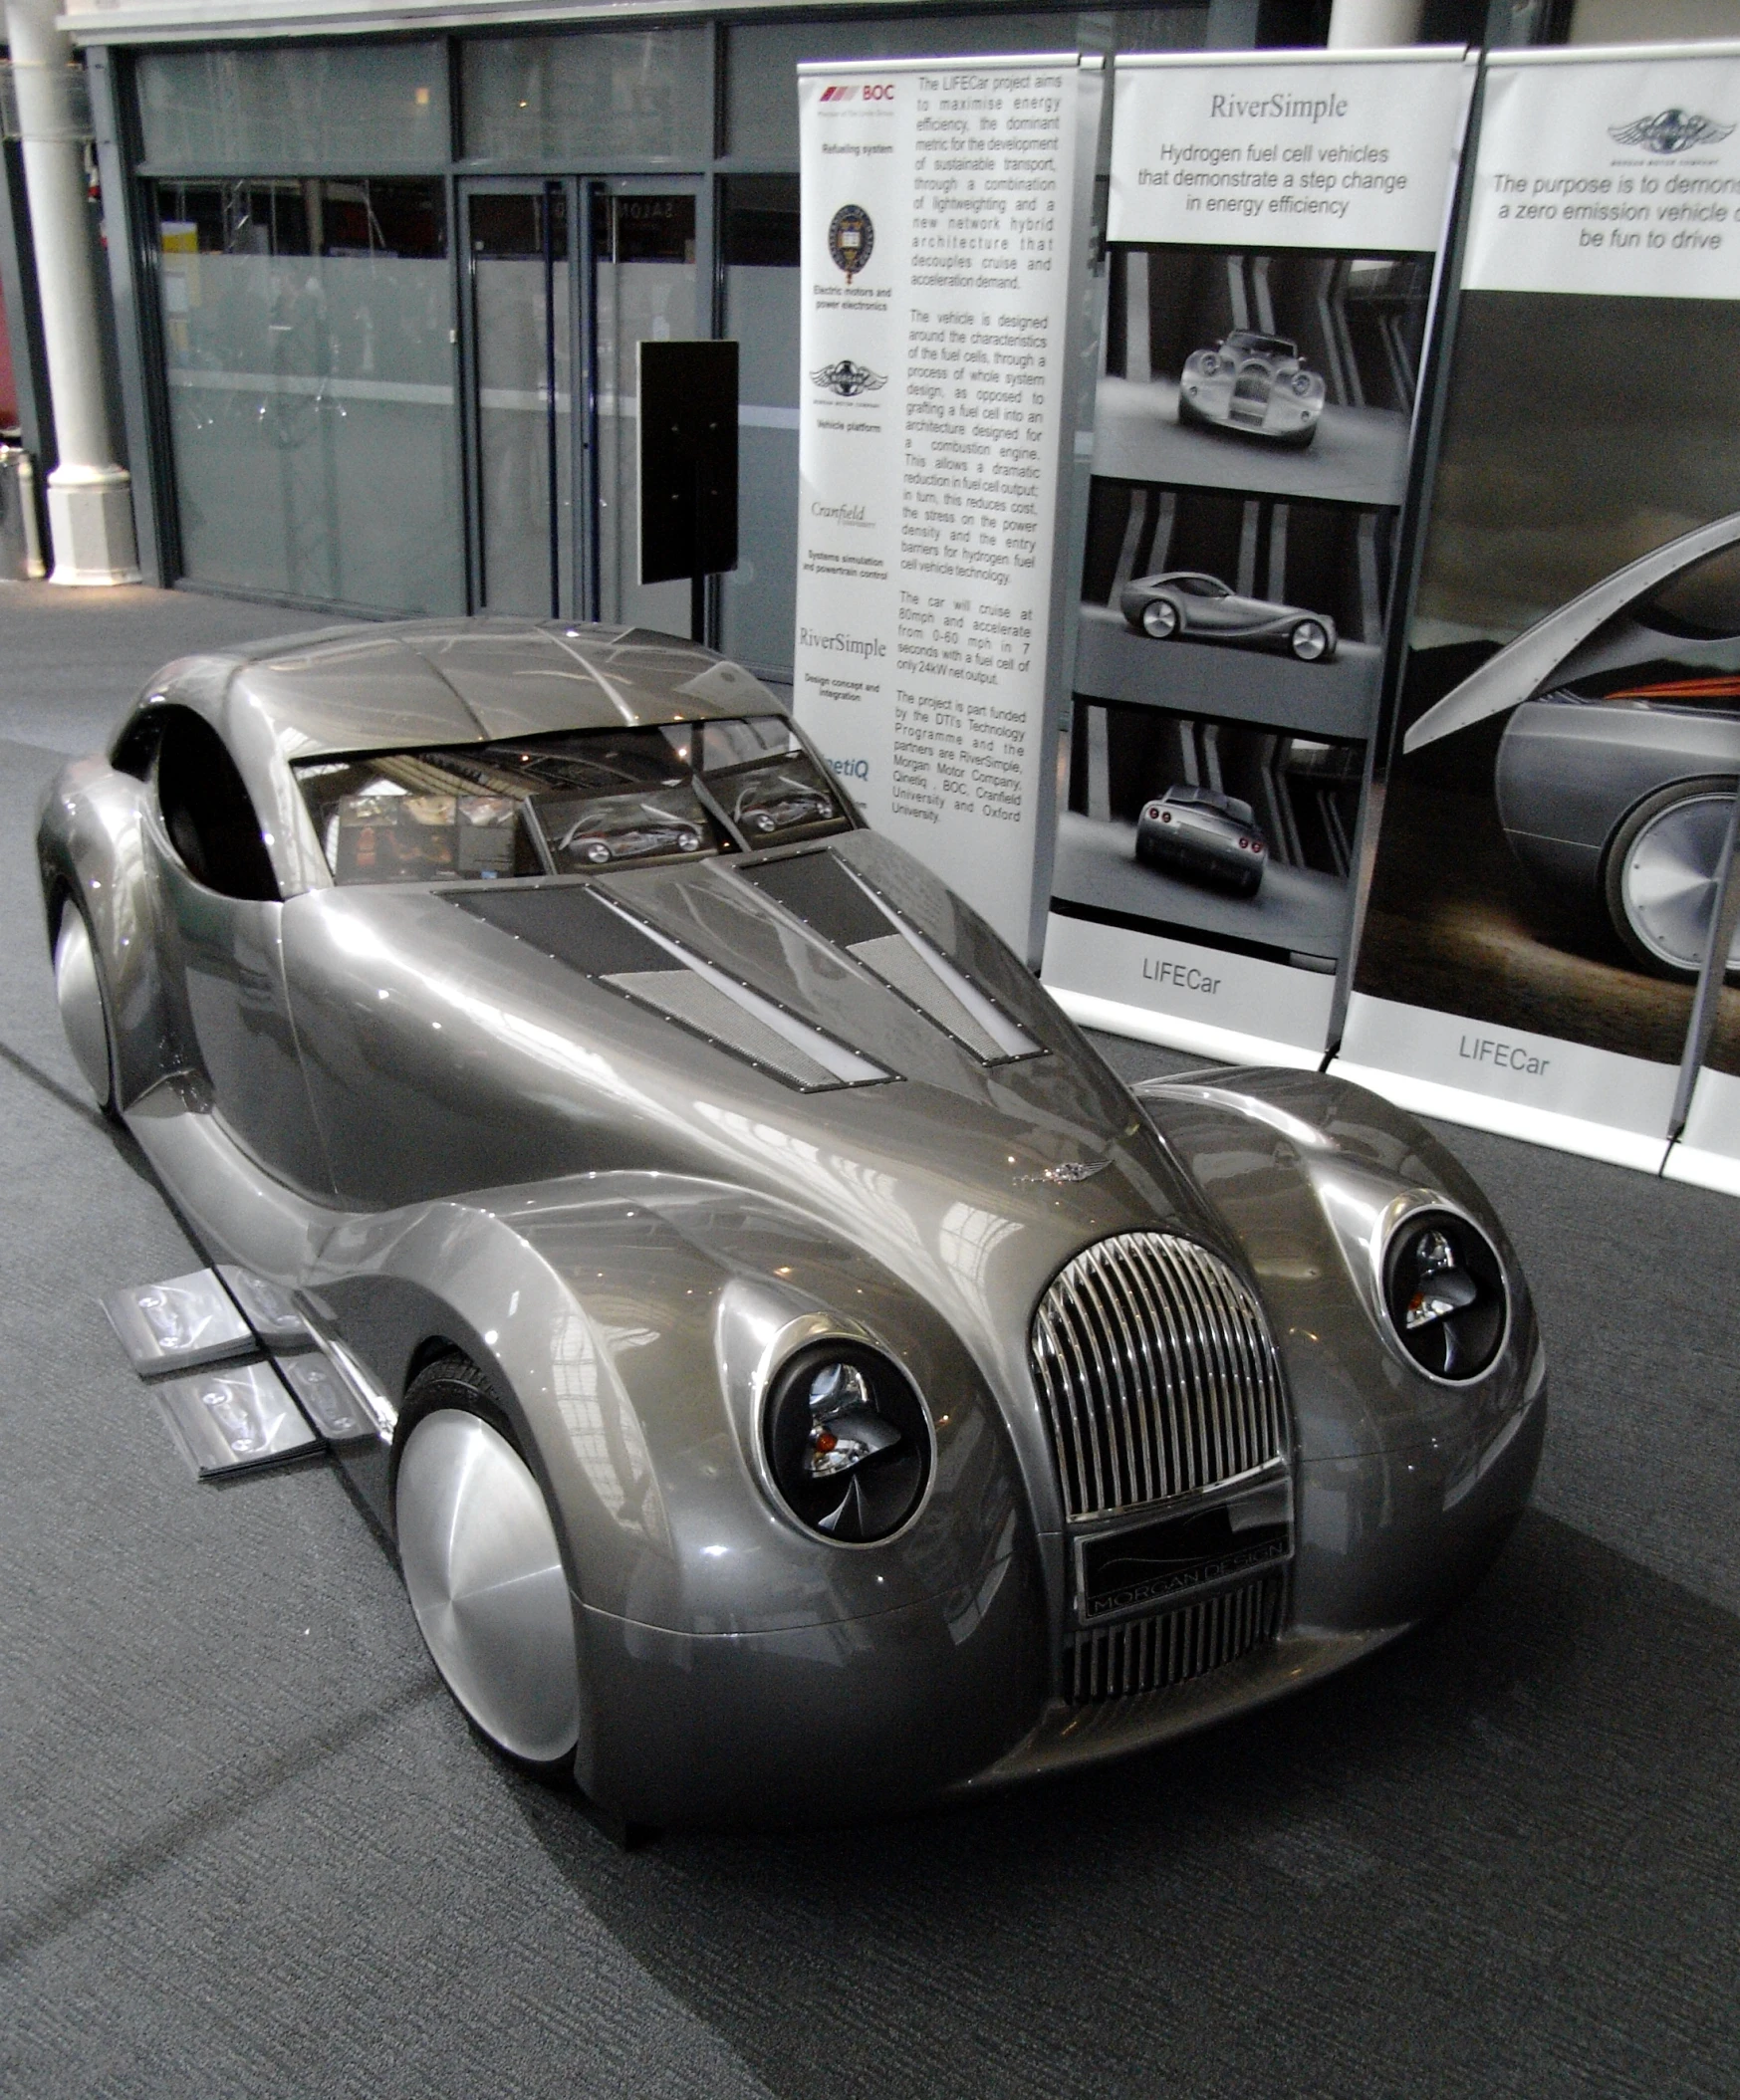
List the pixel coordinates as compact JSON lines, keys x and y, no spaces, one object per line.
{"x":91,"y":847}
{"x":631,"y":1325}
{"x":1569,"y":775}
{"x":1300,"y":1170}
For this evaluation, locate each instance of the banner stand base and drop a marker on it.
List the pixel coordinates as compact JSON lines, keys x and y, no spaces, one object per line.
{"x":1703,"y":1170}
{"x":1173,"y":1032}
{"x":1536,"y":1126}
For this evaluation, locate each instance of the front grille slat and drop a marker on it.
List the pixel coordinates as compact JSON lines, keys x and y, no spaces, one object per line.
{"x":1172,"y":1648}
{"x":1157,"y":1374}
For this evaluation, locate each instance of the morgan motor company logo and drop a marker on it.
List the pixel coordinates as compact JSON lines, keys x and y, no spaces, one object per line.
{"x":1669,"y":131}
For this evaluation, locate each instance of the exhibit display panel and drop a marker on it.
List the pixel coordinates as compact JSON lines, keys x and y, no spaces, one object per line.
{"x":1275,"y":226}
{"x":1556,"y":819}
{"x":945,"y":305}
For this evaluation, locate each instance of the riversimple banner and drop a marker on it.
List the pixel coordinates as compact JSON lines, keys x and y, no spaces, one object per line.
{"x":1276,"y":220}
{"x":946,"y":317}
{"x":1556,"y":820}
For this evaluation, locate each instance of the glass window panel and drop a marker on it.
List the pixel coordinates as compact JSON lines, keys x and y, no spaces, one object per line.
{"x":760,"y":81}
{"x":569,"y":804}
{"x":645,"y":286}
{"x":589,"y":97}
{"x":757,"y":604}
{"x":310,"y":365}
{"x":525,"y":396}
{"x":295,"y":108}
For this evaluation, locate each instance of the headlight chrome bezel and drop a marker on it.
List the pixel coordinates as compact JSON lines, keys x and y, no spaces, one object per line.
{"x":785,"y":1423}
{"x":1399,"y":1219}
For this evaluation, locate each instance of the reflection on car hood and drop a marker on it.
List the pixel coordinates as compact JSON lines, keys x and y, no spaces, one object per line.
{"x":690,"y":1020}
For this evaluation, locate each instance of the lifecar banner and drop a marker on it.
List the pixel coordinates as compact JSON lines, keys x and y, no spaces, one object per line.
{"x":1556,"y":811}
{"x":944,"y":217}
{"x":1276,"y":220}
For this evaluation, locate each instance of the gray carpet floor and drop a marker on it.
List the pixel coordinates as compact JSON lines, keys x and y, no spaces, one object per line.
{"x":247,"y":1846}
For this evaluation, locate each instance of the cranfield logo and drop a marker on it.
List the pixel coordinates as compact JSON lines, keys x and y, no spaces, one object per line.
{"x":851,"y":237}
{"x":850,"y":769}
{"x":867,"y":90}
{"x":848,"y":380}
{"x":1669,"y":131}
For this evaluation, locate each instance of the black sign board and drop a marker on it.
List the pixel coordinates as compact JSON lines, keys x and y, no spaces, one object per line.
{"x":689,"y":461}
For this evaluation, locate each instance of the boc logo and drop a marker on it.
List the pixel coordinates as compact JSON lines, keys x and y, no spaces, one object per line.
{"x":850,"y":238}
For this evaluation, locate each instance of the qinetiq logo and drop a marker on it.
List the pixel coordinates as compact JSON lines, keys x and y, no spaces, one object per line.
{"x":850,"y":769}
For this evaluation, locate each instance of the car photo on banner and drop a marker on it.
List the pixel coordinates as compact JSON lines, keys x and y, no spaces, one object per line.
{"x":1569,"y":718}
{"x":1249,"y":455}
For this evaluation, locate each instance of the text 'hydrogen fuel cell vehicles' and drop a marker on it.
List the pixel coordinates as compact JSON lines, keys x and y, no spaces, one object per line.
{"x":798,"y":1377}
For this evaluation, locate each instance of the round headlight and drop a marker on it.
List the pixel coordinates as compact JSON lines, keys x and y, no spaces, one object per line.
{"x":848,"y":1442}
{"x":1443,"y":1289}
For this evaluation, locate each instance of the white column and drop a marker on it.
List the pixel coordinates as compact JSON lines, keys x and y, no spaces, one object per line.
{"x":90,"y":496}
{"x":1369,"y":25}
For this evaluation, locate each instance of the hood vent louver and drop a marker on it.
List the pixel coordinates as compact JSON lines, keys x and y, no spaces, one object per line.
{"x":575,"y":925}
{"x":833,"y":901}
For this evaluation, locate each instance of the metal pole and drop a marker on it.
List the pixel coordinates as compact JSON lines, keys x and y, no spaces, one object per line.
{"x":90,"y":494}
{"x":1711,"y":977}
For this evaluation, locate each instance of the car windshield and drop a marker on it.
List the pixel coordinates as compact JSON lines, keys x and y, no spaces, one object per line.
{"x":575,"y":804}
{"x":1260,"y":345}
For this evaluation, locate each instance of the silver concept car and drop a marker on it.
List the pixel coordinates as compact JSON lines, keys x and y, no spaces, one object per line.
{"x":1617,"y":772}
{"x":1212,"y":838}
{"x":1255,"y":385}
{"x":800,"y":1379}
{"x":1184,"y":604}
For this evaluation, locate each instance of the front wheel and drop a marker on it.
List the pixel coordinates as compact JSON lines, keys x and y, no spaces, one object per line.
{"x":483,"y":1568}
{"x":1159,"y":620}
{"x":84,"y":1002}
{"x":1308,"y":640}
{"x":1663,"y":873}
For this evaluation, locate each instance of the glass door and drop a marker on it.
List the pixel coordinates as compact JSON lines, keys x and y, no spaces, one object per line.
{"x":522,"y":364}
{"x":645,"y":286}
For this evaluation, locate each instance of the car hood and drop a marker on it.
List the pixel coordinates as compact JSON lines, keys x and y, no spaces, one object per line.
{"x":522,"y":1033}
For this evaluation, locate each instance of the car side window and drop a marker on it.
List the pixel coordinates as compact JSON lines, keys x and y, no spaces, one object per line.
{"x":206,"y":809}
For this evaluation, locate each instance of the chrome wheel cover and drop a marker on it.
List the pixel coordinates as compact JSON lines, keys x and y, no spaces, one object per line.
{"x":1160,"y":618}
{"x":485,"y":1579}
{"x":80,"y":993}
{"x":1668,"y":882}
{"x":1310,"y":641}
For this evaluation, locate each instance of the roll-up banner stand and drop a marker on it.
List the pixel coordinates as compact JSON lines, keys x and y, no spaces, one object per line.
{"x":1556,"y":817}
{"x":1276,"y":220}
{"x":947,"y":312}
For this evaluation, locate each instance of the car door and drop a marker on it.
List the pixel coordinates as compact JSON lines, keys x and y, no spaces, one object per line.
{"x":219,"y":916}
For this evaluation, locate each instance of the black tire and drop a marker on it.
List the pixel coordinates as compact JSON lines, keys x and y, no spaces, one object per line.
{"x":1304,"y":629}
{"x":1686,"y":817}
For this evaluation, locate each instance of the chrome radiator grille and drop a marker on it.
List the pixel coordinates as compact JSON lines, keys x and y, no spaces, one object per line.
{"x":1147,"y":1655}
{"x":1156,"y":1371}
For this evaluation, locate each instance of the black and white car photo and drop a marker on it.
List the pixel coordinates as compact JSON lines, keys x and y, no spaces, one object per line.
{"x":1190,"y":605}
{"x":1204,"y":836}
{"x":1254,"y":387}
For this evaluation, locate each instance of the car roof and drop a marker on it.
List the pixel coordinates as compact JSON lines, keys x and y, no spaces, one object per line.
{"x":383,"y":684}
